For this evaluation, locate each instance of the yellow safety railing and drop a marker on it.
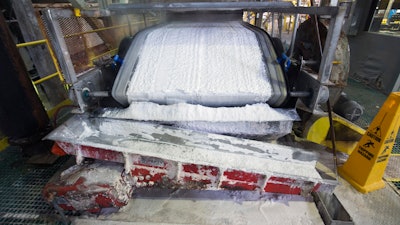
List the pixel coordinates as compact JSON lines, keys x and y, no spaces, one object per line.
{"x":111,"y":52}
{"x":55,"y":62}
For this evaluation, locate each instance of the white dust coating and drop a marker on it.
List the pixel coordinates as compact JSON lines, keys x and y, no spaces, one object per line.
{"x":193,"y":147}
{"x":201,"y":63}
{"x":214,"y":208}
{"x":95,"y":180}
{"x":377,"y":207}
{"x":148,"y":111}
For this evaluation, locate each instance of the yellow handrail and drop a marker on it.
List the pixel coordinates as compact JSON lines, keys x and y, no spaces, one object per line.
{"x":26,"y":44}
{"x":55,"y":62}
{"x":112,"y":51}
{"x":45,"y":78}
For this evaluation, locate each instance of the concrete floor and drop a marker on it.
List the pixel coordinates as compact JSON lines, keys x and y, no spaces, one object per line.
{"x":378,"y":207}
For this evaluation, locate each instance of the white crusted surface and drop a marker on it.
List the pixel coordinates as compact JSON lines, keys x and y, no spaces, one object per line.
{"x":205,"y":63}
{"x":147,"y":111}
{"x":193,"y":147}
{"x":245,"y":120}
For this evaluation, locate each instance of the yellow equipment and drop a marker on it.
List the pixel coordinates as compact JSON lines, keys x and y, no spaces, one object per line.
{"x":366,"y":165}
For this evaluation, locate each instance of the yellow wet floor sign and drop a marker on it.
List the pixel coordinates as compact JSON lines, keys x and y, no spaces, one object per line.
{"x":367,"y":163}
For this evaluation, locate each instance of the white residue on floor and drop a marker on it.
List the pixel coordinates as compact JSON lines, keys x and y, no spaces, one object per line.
{"x":205,"y":63}
{"x":377,"y":207}
{"x":223,"y":210}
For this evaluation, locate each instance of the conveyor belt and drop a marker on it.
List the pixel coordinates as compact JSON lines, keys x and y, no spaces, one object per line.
{"x":212,"y":64}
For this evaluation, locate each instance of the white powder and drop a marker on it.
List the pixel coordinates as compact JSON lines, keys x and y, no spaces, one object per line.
{"x":204,"y":63}
{"x":147,"y":111}
{"x":249,"y":120}
{"x":95,"y":180}
{"x":205,"y":207}
{"x":188,"y":146}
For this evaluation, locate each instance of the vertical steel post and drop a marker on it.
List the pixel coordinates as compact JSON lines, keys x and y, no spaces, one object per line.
{"x":328,"y":55}
{"x":295,"y":25}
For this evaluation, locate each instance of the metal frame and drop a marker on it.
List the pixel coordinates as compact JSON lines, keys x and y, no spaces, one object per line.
{"x":47,"y":77}
{"x":283,"y":7}
{"x":62,"y":54}
{"x":335,"y":13}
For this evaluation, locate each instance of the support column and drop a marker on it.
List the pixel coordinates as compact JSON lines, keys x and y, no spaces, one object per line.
{"x":22,"y":116}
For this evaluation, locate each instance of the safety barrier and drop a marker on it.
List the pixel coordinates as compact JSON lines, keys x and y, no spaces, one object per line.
{"x":58,"y":71}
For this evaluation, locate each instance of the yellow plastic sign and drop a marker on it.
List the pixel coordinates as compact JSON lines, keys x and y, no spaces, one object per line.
{"x":367,"y":163}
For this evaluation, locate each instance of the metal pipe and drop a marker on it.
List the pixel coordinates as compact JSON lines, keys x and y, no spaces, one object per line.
{"x":112,"y":52}
{"x":299,"y":94}
{"x":99,"y":94}
{"x":45,"y":78}
{"x":318,"y":34}
{"x":31,"y":43}
{"x":295,"y":25}
{"x":44,"y":41}
{"x":53,"y":57}
{"x":333,"y":137}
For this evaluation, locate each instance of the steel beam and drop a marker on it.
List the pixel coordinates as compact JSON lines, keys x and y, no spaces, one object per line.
{"x":282,"y":7}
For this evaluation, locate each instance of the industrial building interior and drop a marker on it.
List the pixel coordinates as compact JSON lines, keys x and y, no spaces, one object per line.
{"x":199,"y":112}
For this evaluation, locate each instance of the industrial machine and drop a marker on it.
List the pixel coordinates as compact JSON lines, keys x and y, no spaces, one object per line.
{"x":198,"y":103}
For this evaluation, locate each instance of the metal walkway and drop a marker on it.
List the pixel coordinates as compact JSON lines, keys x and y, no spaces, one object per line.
{"x":21,"y":187}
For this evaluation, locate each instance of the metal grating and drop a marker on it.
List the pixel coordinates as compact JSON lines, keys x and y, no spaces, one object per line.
{"x":90,"y":38}
{"x":396,"y":184}
{"x":396,"y":146}
{"x":21,"y":187}
{"x":81,"y":45}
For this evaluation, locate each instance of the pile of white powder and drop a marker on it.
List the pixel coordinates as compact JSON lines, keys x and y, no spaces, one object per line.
{"x":203,"y":63}
{"x":182,"y":112}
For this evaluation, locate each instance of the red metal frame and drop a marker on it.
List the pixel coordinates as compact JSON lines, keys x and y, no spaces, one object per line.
{"x":154,"y":172}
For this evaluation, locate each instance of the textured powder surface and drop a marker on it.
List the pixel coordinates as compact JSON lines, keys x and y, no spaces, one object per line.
{"x":250,"y":120}
{"x":204,"y":63}
{"x":148,"y":111}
